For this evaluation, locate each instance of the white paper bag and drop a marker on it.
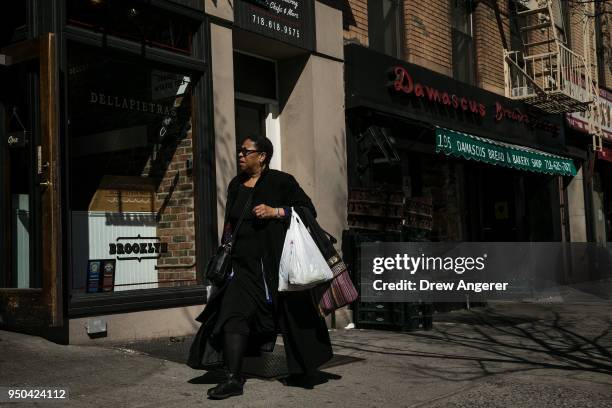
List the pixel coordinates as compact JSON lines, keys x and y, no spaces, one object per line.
{"x":302,"y":266}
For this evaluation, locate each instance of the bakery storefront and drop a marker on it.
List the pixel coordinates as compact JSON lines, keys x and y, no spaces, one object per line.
{"x":106,"y":178}
{"x":434,"y":159}
{"x":598,"y":177}
{"x":602,"y":195}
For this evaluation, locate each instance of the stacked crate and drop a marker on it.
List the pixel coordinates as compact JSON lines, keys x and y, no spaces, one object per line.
{"x":383,"y":215}
{"x":371,"y":210}
{"x":376,"y":210}
{"x":382,"y":315}
{"x":406,"y":316}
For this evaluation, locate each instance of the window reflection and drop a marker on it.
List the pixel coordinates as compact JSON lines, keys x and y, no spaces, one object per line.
{"x":134,"y":20}
{"x":131,"y":187}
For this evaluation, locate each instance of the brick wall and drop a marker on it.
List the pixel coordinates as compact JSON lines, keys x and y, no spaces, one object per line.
{"x":605,"y":50}
{"x":428,"y":41}
{"x":576,"y":37}
{"x":577,"y":14}
{"x":175,"y":199}
{"x":428,"y":35}
{"x":489,"y":46}
{"x":355,"y":21}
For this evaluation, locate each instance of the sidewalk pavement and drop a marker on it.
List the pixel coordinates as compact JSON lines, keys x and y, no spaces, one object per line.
{"x":519,"y":355}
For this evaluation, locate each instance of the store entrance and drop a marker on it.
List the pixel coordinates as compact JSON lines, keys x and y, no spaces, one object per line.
{"x":30,"y":276}
{"x":498,"y":204}
{"x":19,"y":198}
{"x":513,"y":206}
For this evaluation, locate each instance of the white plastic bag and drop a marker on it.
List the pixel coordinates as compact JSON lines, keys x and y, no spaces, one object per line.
{"x":302,"y":266}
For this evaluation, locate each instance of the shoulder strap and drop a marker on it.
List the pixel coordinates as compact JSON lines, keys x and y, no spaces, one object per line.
{"x":244,"y":210}
{"x":246,"y":206}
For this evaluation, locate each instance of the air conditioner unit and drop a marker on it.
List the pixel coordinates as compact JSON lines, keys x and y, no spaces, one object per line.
{"x":549,"y":82}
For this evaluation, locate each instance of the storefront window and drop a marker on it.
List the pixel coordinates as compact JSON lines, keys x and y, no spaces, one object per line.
{"x":443,"y":187}
{"x":463,"y":42}
{"x":247,"y":68}
{"x":559,"y":15}
{"x":384,"y":25}
{"x":131,"y":185}
{"x":420,"y":195}
{"x":134,"y":20}
{"x":13,"y":23}
{"x":602,"y":201}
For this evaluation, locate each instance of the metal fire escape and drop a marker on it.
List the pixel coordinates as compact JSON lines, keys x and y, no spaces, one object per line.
{"x":590,"y":51}
{"x":543,"y":71}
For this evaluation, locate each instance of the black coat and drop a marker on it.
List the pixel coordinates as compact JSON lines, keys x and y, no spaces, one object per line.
{"x":305,"y":335}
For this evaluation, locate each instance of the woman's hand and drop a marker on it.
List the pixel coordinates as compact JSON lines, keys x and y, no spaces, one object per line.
{"x":264,"y":211}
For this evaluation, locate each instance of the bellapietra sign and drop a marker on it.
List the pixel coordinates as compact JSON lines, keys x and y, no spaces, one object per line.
{"x":382,"y":83}
{"x":290,"y":21}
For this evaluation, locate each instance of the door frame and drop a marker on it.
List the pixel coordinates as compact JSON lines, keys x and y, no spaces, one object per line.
{"x":40,"y":310}
{"x":271,"y":125}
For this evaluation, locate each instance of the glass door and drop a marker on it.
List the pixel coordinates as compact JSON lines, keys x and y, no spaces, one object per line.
{"x":250,"y":121}
{"x":17,"y":121}
{"x":30,"y":277}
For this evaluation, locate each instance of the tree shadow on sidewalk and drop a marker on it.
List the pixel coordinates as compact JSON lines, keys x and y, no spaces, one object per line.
{"x":217,"y":376}
{"x":495,"y":344}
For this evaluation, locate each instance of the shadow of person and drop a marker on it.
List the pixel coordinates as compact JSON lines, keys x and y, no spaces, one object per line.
{"x":310,"y":381}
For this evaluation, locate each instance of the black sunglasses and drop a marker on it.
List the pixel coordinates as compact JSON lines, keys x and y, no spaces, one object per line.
{"x":246,"y":152}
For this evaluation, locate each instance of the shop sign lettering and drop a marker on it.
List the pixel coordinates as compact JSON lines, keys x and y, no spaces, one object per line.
{"x":121,"y":102}
{"x":517,"y":115}
{"x":462,"y":145}
{"x":583,"y":121}
{"x":17,"y":139}
{"x":138,"y":248}
{"x":404,"y":83}
{"x":291,"y":21}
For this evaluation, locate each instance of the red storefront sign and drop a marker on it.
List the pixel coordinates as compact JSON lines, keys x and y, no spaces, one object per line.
{"x":404,"y":83}
{"x":580,"y":120}
{"x":605,"y":154}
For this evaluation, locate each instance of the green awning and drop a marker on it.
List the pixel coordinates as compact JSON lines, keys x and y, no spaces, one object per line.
{"x":489,"y":151}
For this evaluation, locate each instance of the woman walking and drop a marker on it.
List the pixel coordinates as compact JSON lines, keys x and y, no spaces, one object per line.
{"x":245,"y":313}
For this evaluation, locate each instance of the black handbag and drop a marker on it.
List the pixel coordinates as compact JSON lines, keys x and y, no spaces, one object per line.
{"x":220,"y":264}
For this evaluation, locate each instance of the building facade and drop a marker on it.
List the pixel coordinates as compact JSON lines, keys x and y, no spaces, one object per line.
{"x":120,"y":122}
{"x":583,"y":126}
{"x":439,"y":75}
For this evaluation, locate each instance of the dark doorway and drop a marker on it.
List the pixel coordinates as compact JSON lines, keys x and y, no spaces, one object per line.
{"x":17,"y":198}
{"x":542,"y":208}
{"x":509,"y":205}
{"x":498,"y":201}
{"x":250,"y":121}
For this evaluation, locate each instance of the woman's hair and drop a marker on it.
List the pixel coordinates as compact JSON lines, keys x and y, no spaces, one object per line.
{"x":263,"y":144}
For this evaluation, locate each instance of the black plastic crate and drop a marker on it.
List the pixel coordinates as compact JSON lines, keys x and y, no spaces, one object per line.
{"x":413,"y":309}
{"x":376,"y":306}
{"x":406,"y":316}
{"x":372,"y":317}
{"x":427,"y":322}
{"x":411,"y":324}
{"x":427,"y":309}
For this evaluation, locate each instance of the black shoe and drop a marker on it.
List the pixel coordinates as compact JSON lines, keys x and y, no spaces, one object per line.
{"x":231,"y":387}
